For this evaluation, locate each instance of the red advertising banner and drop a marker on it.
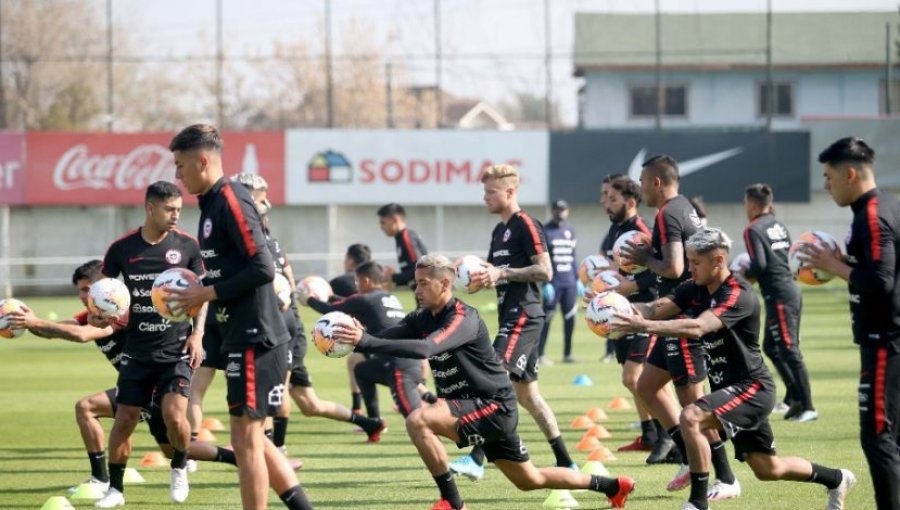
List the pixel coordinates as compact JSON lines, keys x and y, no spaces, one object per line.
{"x":12,"y":168}
{"x":115,"y":169}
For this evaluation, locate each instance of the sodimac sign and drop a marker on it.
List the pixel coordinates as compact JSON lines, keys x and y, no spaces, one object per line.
{"x":409,"y":167}
{"x":115,"y":169}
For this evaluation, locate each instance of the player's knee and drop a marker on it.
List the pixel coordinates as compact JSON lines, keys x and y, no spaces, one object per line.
{"x":83,"y":410}
{"x":691,"y":416}
{"x":767,"y":469}
{"x":416,"y":422}
{"x":530,"y":482}
{"x":629,"y":381}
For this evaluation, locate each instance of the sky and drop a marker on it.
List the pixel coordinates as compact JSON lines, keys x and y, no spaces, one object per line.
{"x":491,"y":48}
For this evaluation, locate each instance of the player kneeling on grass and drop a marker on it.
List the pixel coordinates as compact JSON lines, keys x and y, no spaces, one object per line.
{"x":477,"y":404}
{"x":723,"y":312}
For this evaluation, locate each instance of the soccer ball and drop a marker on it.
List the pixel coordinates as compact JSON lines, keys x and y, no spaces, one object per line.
{"x":601,"y":309}
{"x":282,"y":289}
{"x":6,"y":306}
{"x":634,"y":237}
{"x":174,"y":278}
{"x":322,"y":335}
{"x":315,"y":287}
{"x":796,"y":258}
{"x":605,"y":280}
{"x":740,"y":263}
{"x":591,"y":266}
{"x":466,"y":266}
{"x":109,"y":298}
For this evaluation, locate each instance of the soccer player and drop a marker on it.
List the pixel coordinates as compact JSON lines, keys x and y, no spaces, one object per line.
{"x":516,"y":264}
{"x":562,"y":289}
{"x":345,"y":284}
{"x":477,"y":404}
{"x":871,"y":272}
{"x":159,"y":356}
{"x":723,"y":312}
{"x":768,"y":242}
{"x":239,"y":283}
{"x":604,"y":193}
{"x":392,"y":220}
{"x":88,"y":410}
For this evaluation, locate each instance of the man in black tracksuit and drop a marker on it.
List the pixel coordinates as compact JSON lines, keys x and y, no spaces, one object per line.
{"x":392,"y":220}
{"x":768,"y":242}
{"x":870,"y":270}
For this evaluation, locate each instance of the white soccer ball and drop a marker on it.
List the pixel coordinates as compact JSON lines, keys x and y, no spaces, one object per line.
{"x":6,"y":306}
{"x":591,"y":266}
{"x":323,"y":331}
{"x":634,"y":237}
{"x":606,"y":280}
{"x":740,"y":263}
{"x":108,"y":298}
{"x":797,"y":260}
{"x":466,"y":266}
{"x":315,"y":287}
{"x":282,"y":289}
{"x":601,"y":310}
{"x":174,"y":278}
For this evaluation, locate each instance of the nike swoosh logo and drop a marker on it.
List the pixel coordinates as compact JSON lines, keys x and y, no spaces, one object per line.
{"x":685,"y":168}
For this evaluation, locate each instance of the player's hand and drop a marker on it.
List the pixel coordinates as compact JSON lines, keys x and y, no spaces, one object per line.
{"x":302,"y":295}
{"x":487,"y":278}
{"x":348,"y":333}
{"x":194,"y":347}
{"x":587,"y":296}
{"x":100,"y":322}
{"x":22,"y":318}
{"x":389,"y":277}
{"x":820,"y":257}
{"x":625,"y":287}
{"x":191,"y":297}
{"x":636,"y":253}
{"x":631,"y":323}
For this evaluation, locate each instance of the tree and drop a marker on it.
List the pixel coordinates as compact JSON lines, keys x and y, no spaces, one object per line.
{"x":527,"y":108}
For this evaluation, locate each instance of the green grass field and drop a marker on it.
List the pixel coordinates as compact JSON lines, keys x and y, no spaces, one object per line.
{"x":41,"y":451}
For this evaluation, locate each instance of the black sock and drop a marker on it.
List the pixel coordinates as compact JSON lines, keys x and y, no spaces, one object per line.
{"x":477,"y":455}
{"x":675,"y":434}
{"x":179,"y":459}
{"x":279,"y":430}
{"x":269,"y":434}
{"x":661,"y":432}
{"x":356,"y":397}
{"x":826,"y":476}
{"x":608,"y":486}
{"x":720,"y":462}
{"x":225,"y":456}
{"x":295,"y":499}
{"x":116,"y":476}
{"x":559,"y":449}
{"x":648,"y":432}
{"x":448,"y":489}
{"x":699,"y":486}
{"x":367,"y":424}
{"x":194,"y":436}
{"x":98,"y":466}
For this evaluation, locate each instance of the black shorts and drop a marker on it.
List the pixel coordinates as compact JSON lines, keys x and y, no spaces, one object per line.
{"x":139,"y":381}
{"x":633,"y":348}
{"x":255,"y":380}
{"x":741,"y":409}
{"x":783,"y":323}
{"x":213,"y":357}
{"x":296,"y":356}
{"x":151,"y":415}
{"x":517,"y":345}
{"x":683,"y":358}
{"x":490,"y":424}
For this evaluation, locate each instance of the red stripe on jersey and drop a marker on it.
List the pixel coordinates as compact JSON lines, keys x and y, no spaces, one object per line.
{"x":235,"y":207}
{"x":81,"y":318}
{"x":782,"y":323}
{"x":661,"y":227}
{"x":653,"y":339}
{"x":732,"y":299}
{"x":123,"y":236}
{"x":454,"y":324}
{"x":514,"y":337}
{"x":749,"y":244}
{"x":401,"y":392}
{"x":409,"y":246}
{"x":639,"y":223}
{"x":250,"y":379}
{"x":478,"y":414}
{"x":686,"y":354}
{"x":532,"y":229}
{"x":185,"y":234}
{"x":874,"y":231}
{"x":740,"y":399}
{"x":880,"y":367}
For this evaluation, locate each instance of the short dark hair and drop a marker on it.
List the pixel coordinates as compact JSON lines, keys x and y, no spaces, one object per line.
{"x":371,"y":270}
{"x":851,"y":149}
{"x":87,"y":271}
{"x":391,"y":209}
{"x":611,"y":177}
{"x":197,"y":136}
{"x":627,"y":188}
{"x":699,"y":206}
{"x":760,"y":193}
{"x":359,"y":253}
{"x":663,"y":166}
{"x":162,"y":190}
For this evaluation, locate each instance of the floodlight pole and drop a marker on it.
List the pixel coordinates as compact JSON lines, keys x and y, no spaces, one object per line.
{"x":548,"y":67}
{"x":329,"y":78}
{"x":770,"y":88}
{"x":220,"y":64}
{"x":888,"y":70}
{"x":659,"y":87}
{"x":110,"y":91}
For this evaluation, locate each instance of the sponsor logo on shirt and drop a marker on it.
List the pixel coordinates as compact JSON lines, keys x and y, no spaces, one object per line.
{"x":221,"y":315}
{"x":208,"y":254}
{"x":776,"y":232}
{"x":139,"y":293}
{"x":149,"y":327}
{"x":139,"y":308}
{"x":143,"y":277}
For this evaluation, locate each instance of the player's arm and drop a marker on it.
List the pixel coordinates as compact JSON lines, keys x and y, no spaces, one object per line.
{"x":658,"y":310}
{"x":244,"y":228}
{"x":70,"y":329}
{"x":540,"y":270}
{"x":756,"y":249}
{"x":703,"y":325}
{"x":877,"y":274}
{"x":413,"y":248}
{"x":457,"y":329}
{"x":671,"y":265}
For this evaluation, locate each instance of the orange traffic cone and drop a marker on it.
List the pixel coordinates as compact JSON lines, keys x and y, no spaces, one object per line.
{"x":582,"y":422}
{"x":588,"y":443}
{"x":599,"y":431}
{"x":206,"y":436}
{"x":213,"y":424}
{"x":619,"y":404}
{"x":154,"y":459}
{"x":596,"y":414}
{"x":602,"y":454}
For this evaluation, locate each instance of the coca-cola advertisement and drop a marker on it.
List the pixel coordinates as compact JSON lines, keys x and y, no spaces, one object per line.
{"x":12,"y":168}
{"x":115,"y":169}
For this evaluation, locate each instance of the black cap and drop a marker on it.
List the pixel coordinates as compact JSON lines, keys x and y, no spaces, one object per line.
{"x":560,"y":204}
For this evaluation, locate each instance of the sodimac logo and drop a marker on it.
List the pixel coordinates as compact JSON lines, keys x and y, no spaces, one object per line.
{"x":330,"y":166}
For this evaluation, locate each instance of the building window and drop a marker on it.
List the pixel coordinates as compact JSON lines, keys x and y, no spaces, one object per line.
{"x":783,"y":105}
{"x":644,"y":100}
{"x":895,"y":97}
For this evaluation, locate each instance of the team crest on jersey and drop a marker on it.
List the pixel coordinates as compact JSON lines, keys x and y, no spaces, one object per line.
{"x":207,"y":228}
{"x":567,"y":234}
{"x":506,"y":235}
{"x":173,"y":257}
{"x":695,"y":219}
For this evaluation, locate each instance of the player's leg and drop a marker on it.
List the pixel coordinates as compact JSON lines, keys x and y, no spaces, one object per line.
{"x":174,"y":391}
{"x":353,"y":360}
{"x":424,"y":425}
{"x":310,"y":405}
{"x":569,"y":308}
{"x":653,"y":391}
{"x":88,"y":412}
{"x":879,"y":412}
{"x":526,"y":477}
{"x":771,"y":337}
{"x":283,"y":480}
{"x":200,"y":382}
{"x":788,"y":344}
{"x":529,"y":396}
{"x":549,"y":311}
{"x":369,"y":374}
{"x":631,"y":351}
{"x":404,"y":384}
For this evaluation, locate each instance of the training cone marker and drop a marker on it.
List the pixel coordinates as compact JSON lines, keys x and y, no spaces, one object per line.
{"x":560,"y":498}
{"x":206,"y":436}
{"x":587,"y":444}
{"x":581,"y":422}
{"x":583,"y":380}
{"x":602,"y":454}
{"x":213,"y":424}
{"x":154,"y":459}
{"x":57,"y":503}
{"x":619,"y":404}
{"x":132,"y":476}
{"x":597,"y":414}
{"x":594,"y":467}
{"x":599,"y":431}
{"x":87,"y":491}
